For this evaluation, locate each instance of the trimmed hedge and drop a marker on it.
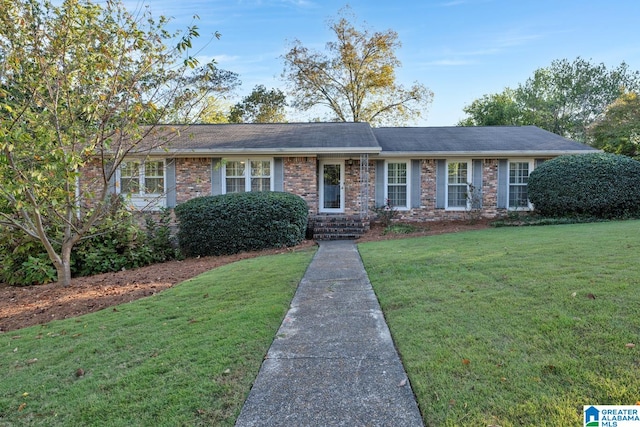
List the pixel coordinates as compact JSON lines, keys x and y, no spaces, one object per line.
{"x":600,"y":185}
{"x":236,"y":222}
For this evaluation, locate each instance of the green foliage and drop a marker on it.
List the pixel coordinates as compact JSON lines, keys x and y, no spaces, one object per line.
{"x":564,"y":98}
{"x":23,"y":260}
{"x":160,"y":239}
{"x":117,"y":243}
{"x":400,"y":228}
{"x":77,"y":81}
{"x":236,"y":222}
{"x":618,"y":130}
{"x":600,"y":185}
{"x":261,"y":106}
{"x":500,"y":109}
{"x":385,"y":213}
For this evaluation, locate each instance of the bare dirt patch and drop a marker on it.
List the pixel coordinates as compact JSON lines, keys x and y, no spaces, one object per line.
{"x":35,"y":305}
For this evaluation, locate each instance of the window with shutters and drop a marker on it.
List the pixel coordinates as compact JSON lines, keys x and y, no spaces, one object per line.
{"x":248,"y":175}
{"x":397,"y":180}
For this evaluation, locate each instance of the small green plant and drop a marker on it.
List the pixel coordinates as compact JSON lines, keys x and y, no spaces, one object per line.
{"x":400,"y":228}
{"x":386,"y":213}
{"x":162,"y":243}
{"x":474,"y":203}
{"x":38,"y":270}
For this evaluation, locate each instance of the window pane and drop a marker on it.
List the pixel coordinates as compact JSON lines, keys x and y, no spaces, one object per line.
{"x":457,"y":179}
{"x":397,"y":195}
{"x":518,"y":196}
{"x":457,"y":196}
{"x":235,"y":168}
{"x":457,"y":173}
{"x":154,"y":185}
{"x":130,"y":177}
{"x":260,"y":184}
{"x":518,"y":173}
{"x":154,"y":177}
{"x":235,"y":185}
{"x":397,"y":184}
{"x":260,"y":168}
{"x":397,"y":173}
{"x":518,"y":178}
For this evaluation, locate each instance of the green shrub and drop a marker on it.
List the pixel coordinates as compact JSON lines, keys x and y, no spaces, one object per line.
{"x":160,"y":239}
{"x":117,"y":243}
{"x":23,"y":261}
{"x":599,"y":185}
{"x":236,"y":222}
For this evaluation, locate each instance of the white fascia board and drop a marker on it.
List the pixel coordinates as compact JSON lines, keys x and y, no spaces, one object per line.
{"x":265,"y":152}
{"x":484,"y":154}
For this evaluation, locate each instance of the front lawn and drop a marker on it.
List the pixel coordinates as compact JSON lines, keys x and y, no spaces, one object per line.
{"x":184,"y":357}
{"x":514,"y":326}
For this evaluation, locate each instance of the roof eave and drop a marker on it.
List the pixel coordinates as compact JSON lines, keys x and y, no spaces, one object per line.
{"x":265,"y":151}
{"x":484,"y":154}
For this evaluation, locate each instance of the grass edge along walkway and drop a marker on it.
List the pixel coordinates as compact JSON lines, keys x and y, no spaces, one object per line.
{"x":186,"y":356}
{"x":514,"y":326}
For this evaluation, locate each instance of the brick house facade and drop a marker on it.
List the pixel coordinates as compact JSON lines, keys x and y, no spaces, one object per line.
{"x":345,"y":170}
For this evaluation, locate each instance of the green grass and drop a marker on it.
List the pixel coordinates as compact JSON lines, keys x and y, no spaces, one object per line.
{"x":500,"y":326}
{"x":184,"y":357}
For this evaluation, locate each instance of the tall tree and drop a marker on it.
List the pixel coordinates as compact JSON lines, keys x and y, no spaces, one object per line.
{"x":76,"y":82}
{"x":618,"y":130}
{"x":260,"y":106}
{"x":355,"y":77}
{"x":564,"y":98}
{"x":500,"y":109}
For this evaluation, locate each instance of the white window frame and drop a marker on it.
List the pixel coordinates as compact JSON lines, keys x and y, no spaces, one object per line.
{"x":407,"y":184}
{"x":531,"y":166}
{"x":247,"y":172}
{"x":143,"y":200}
{"x":467,"y":205}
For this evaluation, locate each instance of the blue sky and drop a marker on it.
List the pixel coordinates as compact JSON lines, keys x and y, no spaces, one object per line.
{"x":460,"y":49}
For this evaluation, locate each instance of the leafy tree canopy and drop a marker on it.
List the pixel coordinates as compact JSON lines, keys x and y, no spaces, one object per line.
{"x":564,"y":98}
{"x":354,"y":77}
{"x":493,"y":110}
{"x":261,"y":106}
{"x":618,"y":130}
{"x":76,"y":82}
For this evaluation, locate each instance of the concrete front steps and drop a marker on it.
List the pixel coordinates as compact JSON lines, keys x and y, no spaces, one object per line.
{"x":338,"y":227}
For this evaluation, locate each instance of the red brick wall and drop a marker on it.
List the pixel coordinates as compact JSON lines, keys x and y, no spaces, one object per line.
{"x":427,"y":210}
{"x":301,"y":178}
{"x":193,"y":178}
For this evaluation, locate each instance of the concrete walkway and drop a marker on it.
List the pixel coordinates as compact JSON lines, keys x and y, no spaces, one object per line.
{"x":333,"y":362}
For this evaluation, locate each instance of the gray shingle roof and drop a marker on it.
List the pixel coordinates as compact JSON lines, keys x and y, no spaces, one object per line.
{"x":475,"y":140}
{"x":337,"y":138}
{"x":276,"y":138}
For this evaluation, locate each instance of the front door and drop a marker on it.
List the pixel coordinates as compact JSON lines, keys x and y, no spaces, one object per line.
{"x":332,"y":186}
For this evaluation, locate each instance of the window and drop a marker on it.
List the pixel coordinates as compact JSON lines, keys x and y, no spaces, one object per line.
{"x":141,"y":178}
{"x":458,"y":178}
{"x":397,"y":185}
{"x":240,"y":178}
{"x":518,"y":177}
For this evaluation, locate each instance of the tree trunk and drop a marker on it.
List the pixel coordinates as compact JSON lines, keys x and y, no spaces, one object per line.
{"x":63,"y":266}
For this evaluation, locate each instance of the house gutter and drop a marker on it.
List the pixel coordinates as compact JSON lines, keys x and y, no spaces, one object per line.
{"x":484,"y":154}
{"x":308,"y":152}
